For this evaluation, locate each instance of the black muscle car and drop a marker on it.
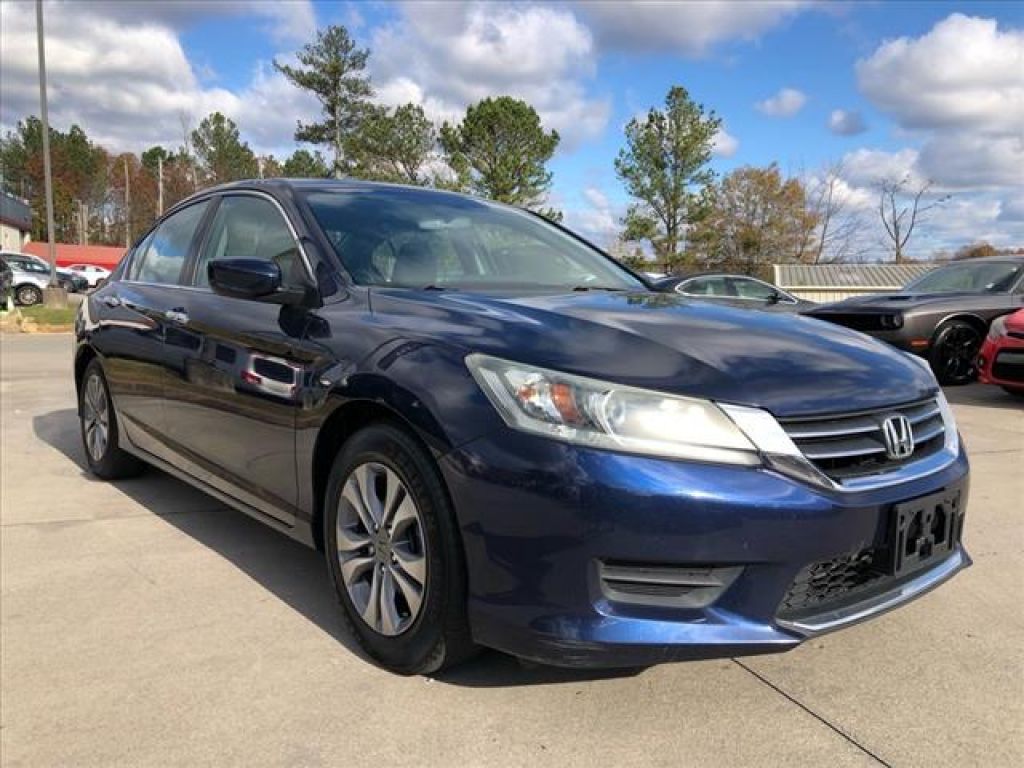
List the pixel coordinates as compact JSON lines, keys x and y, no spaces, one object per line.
{"x":942,"y":316}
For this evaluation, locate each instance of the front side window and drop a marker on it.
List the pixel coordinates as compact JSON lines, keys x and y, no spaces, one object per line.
{"x":248,"y":227}
{"x":162,"y":254}
{"x":419,"y":239}
{"x":981,"y":277}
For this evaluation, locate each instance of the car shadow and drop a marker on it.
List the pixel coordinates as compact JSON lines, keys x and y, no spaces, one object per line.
{"x":985,"y":395}
{"x":291,"y":571}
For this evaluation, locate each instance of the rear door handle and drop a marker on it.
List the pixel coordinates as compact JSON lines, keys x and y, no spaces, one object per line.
{"x":178,"y":316}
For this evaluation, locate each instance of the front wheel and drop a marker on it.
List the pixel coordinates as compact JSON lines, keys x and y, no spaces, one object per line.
{"x":28,"y":295}
{"x":394,"y":554}
{"x":954,"y":353}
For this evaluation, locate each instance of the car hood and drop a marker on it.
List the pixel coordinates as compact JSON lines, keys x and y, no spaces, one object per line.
{"x":787,"y":364}
{"x":890,"y":302}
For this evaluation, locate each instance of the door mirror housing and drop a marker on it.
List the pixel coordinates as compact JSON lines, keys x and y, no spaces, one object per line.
{"x":774,"y":298}
{"x":253,"y":279}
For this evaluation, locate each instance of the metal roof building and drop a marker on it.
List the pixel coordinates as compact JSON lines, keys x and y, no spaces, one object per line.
{"x":834,"y":282}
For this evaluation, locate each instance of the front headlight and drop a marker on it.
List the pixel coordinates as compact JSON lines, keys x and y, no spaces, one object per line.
{"x":601,"y":414}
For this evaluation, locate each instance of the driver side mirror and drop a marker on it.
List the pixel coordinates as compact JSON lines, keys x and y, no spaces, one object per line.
{"x":253,"y":279}
{"x":774,"y":298}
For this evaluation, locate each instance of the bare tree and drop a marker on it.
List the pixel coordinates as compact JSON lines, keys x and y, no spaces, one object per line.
{"x":839,"y":223}
{"x":901,"y":208}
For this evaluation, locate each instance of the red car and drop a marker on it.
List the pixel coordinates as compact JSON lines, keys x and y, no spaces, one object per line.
{"x":1001,"y":359}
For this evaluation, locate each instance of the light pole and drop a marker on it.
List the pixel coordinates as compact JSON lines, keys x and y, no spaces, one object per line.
{"x":54,"y":295}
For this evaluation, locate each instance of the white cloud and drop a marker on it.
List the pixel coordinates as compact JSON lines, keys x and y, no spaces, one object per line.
{"x":957,"y":92}
{"x":446,"y":56}
{"x":960,"y":87}
{"x":786,"y":103}
{"x":292,"y":21}
{"x":846,"y":123}
{"x":964,"y":73}
{"x":129,"y":83}
{"x":724,"y":144}
{"x":687,"y":28}
{"x":1012,"y":210}
{"x":598,"y":220}
{"x":866,"y":167}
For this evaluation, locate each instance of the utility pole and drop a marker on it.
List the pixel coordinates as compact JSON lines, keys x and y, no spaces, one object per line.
{"x":54,"y":296}
{"x":127,"y":206}
{"x":160,"y":185}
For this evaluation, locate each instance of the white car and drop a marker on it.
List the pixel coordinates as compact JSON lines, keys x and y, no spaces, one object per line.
{"x":95,"y":275}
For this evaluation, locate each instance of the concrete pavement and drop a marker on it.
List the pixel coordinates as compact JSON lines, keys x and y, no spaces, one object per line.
{"x":144,"y":623}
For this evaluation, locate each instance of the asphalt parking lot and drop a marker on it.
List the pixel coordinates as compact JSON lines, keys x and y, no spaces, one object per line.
{"x":144,"y":623}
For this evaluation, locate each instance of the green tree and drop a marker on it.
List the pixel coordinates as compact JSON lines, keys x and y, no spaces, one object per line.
{"x":395,"y":145}
{"x":754,"y":218}
{"x":332,"y":69}
{"x":501,"y":151}
{"x":664,"y":168}
{"x":220,"y":151}
{"x":79,"y":173}
{"x":303,"y":164}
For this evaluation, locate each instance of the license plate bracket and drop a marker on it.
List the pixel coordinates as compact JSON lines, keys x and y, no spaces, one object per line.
{"x":926,"y":529}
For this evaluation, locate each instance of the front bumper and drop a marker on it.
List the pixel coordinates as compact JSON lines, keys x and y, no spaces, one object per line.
{"x":540,"y":520}
{"x":1007,"y":352}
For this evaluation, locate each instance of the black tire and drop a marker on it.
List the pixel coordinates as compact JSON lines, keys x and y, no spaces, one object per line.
{"x":110,"y":462}
{"x":1014,"y":392}
{"x":437,"y":636}
{"x":954,"y":352}
{"x":28,"y":295}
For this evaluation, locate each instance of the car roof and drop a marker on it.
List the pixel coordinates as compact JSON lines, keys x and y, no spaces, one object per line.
{"x":280,"y":185}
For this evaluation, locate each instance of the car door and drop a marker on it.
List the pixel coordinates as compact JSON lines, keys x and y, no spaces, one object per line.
{"x":130,"y":320}
{"x":235,"y":386}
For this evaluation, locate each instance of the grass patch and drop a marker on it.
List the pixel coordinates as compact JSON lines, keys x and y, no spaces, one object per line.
{"x":50,"y":315}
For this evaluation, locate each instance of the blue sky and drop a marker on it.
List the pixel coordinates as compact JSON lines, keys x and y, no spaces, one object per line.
{"x":935,"y":90}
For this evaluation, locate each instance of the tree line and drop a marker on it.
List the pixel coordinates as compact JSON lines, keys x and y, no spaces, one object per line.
{"x":682,"y":214}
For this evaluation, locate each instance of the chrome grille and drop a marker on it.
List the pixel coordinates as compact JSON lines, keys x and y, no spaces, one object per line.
{"x":852,"y":445}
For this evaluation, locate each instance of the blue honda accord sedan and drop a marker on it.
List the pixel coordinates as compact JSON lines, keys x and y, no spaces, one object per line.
{"x":498,"y":436}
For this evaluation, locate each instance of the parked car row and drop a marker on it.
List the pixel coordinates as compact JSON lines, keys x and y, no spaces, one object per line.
{"x":942,"y":316}
{"x":30,"y":276}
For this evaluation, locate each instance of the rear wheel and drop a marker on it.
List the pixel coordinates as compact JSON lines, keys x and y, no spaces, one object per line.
{"x":954,"y":352}
{"x":394,"y":554}
{"x":28,"y":295}
{"x":99,"y":429}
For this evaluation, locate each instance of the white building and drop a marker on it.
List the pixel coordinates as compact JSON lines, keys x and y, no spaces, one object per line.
{"x":834,"y":282}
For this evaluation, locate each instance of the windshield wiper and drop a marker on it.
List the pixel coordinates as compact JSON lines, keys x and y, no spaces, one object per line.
{"x":582,"y":288}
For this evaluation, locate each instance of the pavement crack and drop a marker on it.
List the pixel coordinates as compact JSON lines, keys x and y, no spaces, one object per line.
{"x":834,"y":728}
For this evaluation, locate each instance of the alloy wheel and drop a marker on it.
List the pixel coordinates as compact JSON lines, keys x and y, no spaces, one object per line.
{"x":28,"y":296}
{"x":95,"y":417}
{"x":381,"y":550}
{"x":959,"y":349}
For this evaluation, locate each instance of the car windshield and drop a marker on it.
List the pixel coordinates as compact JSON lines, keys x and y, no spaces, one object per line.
{"x":420,"y":239}
{"x":980,"y":277}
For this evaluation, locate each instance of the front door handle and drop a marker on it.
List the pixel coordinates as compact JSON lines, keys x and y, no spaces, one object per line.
{"x":178,"y":316}
{"x":112,"y":300}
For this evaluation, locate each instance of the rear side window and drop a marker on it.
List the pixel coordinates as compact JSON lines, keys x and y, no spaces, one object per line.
{"x":247,"y":227}
{"x":162,"y":255}
{"x":751,"y":289}
{"x":706,"y":286}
